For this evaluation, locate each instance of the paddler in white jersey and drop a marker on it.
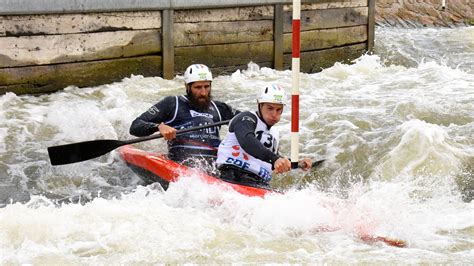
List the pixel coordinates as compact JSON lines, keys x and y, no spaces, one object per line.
{"x":249,"y":152}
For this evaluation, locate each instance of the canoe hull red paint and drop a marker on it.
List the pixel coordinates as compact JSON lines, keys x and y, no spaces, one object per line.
{"x":167,"y":171}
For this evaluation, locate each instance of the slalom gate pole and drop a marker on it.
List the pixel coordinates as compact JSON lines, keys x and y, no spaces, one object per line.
{"x":295,"y":86}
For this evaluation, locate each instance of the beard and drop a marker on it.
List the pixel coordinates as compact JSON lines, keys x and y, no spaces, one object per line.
{"x":201,"y":103}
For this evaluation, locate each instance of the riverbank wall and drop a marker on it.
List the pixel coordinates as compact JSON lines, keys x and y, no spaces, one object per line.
{"x":424,"y":13}
{"x":47,"y":45}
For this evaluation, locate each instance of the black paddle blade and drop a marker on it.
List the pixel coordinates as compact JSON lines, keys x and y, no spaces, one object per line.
{"x":317,"y":163}
{"x":78,"y":152}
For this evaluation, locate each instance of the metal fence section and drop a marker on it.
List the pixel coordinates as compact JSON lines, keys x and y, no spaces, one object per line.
{"x":17,"y":7}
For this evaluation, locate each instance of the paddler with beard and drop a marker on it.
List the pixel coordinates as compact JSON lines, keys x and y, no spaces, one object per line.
{"x":194,"y":109}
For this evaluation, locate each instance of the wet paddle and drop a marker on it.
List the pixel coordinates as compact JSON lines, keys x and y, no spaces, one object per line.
{"x":317,"y":163}
{"x":82,"y":151}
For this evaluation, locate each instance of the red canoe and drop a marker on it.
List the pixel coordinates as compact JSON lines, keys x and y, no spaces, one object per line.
{"x":157,"y":168}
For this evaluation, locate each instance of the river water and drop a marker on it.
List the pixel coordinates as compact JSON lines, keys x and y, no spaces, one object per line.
{"x":396,"y":129}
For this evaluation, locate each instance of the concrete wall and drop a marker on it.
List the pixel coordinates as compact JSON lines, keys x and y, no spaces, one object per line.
{"x":43,"y":51}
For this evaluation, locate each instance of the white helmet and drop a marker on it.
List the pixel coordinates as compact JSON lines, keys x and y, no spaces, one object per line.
{"x":272,"y":94}
{"x":197,"y":72}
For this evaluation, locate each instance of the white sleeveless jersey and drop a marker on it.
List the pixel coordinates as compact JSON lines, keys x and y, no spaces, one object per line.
{"x":230,"y":152}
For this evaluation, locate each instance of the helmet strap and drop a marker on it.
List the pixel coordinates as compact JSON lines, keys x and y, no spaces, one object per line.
{"x":188,"y":88}
{"x":259,"y":113}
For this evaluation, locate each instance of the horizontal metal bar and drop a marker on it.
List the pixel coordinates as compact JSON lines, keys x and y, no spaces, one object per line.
{"x":18,"y":7}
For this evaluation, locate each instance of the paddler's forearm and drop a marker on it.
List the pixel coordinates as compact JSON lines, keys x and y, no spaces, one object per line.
{"x":141,"y":128}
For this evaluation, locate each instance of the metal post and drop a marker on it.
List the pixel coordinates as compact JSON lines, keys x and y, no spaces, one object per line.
{"x":295,"y":88}
{"x":278,"y":37}
{"x":168,"y":43}
{"x":371,"y":26}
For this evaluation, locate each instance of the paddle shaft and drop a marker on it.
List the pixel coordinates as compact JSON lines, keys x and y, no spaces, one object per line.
{"x":318,"y":163}
{"x":314,"y":164}
{"x":157,"y":136}
{"x":82,"y":151}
